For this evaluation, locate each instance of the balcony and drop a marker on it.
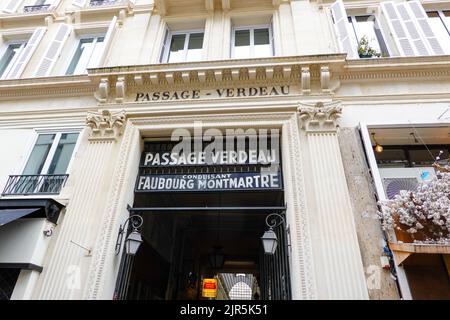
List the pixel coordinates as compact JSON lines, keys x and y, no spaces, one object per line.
{"x":43,"y":184}
{"x":36,"y":9}
{"x":97,"y":3}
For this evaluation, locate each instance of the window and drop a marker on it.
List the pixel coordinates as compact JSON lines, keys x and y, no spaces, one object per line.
{"x":9,"y":58}
{"x":366,"y":27}
{"x":87,"y":54}
{"x":440,"y":23}
{"x":183,"y":47}
{"x":51,"y":154}
{"x":253,"y":42}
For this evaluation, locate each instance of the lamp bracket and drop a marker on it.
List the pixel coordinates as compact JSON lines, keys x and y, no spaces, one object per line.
{"x":136,"y":223}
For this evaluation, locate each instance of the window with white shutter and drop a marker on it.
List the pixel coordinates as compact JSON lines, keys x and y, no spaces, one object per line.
{"x":424,"y":26}
{"x":79,"y":3}
{"x":414,"y":33}
{"x":26,"y":53}
{"x":108,"y":40}
{"x":344,"y":32}
{"x":54,"y":4}
{"x":11,"y":6}
{"x":53,"y":51}
{"x":440,"y":24}
{"x":398,"y":31}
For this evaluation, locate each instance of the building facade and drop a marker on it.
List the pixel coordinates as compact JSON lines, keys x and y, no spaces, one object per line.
{"x":95,"y":93}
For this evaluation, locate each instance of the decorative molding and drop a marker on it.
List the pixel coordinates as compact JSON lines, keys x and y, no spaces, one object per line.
{"x":301,"y":231}
{"x":105,"y":125}
{"x":325,"y":78}
{"x":306,"y":80}
{"x":320,"y":116}
{"x":120,"y":89}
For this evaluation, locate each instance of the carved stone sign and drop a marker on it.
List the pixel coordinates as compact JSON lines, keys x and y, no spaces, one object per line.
{"x":222,"y":93}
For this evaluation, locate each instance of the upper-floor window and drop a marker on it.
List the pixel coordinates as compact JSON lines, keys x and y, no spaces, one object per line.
{"x":51,"y":154}
{"x":9,"y":58}
{"x":368,"y":36}
{"x":183,"y":46}
{"x":252,"y":42}
{"x":440,"y":23}
{"x":87,"y":54}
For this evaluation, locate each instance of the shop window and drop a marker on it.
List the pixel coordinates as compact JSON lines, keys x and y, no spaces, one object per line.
{"x":252,"y":42}
{"x":366,"y":30}
{"x":8,"y":279}
{"x":10,"y":57}
{"x":440,"y":23}
{"x":87,"y":54}
{"x":183,"y":46}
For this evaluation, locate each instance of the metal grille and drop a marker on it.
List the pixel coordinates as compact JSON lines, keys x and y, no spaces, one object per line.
{"x":96,"y":3}
{"x":35,"y":184}
{"x":38,"y":8}
{"x":8,"y":279}
{"x":275,"y":278}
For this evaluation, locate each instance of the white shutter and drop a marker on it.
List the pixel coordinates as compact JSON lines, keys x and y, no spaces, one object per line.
{"x":12,"y":6}
{"x":398,"y":31}
{"x":54,"y":4}
{"x":53,"y":51}
{"x":414,"y":34}
{"x":108,"y":40}
{"x":26,"y":53}
{"x":79,"y":3}
{"x":424,"y":25}
{"x":165,"y":47}
{"x":347,"y":38}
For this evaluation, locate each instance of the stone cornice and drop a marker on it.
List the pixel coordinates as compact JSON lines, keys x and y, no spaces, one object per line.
{"x":44,"y":87}
{"x":315,"y":75}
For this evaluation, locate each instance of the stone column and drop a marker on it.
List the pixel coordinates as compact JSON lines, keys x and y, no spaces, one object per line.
{"x":339,"y":271}
{"x":66,"y":271}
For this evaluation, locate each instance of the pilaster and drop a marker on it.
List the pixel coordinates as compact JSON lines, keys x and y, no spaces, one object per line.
{"x":337,"y":259}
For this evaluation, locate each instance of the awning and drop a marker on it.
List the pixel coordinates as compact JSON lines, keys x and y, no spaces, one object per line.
{"x":13,"y":209}
{"x":9,"y":215}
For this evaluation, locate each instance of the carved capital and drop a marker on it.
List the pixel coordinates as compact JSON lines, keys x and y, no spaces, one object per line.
{"x":106,"y":125}
{"x":320,"y":116}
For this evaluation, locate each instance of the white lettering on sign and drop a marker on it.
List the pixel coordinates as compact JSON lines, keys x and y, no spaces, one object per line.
{"x":202,"y":157}
{"x":208,"y":182}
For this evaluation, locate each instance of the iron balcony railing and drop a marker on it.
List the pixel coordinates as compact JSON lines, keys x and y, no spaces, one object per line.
{"x":35,"y":184}
{"x":38,"y":8}
{"x":96,"y":3}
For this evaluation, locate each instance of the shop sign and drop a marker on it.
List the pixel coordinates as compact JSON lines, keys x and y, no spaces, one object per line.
{"x":208,"y":182}
{"x":209,"y":288}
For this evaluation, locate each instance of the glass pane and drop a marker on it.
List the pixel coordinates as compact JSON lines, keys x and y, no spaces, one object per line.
{"x":11,"y":51}
{"x":439,"y":30}
{"x":81,"y":57}
{"x":63,"y":153}
{"x":391,"y":158}
{"x":242,"y":44}
{"x":39,"y":154}
{"x":367,"y":28}
{"x":262,"y":43}
{"x":424,"y":158}
{"x":195,"y":47}
{"x":176,"y":53}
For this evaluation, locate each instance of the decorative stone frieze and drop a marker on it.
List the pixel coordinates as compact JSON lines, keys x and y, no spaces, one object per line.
{"x":320,"y":116}
{"x":106,"y":125}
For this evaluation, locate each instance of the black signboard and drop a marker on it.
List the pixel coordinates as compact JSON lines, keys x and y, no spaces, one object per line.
{"x":208,"y":182}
